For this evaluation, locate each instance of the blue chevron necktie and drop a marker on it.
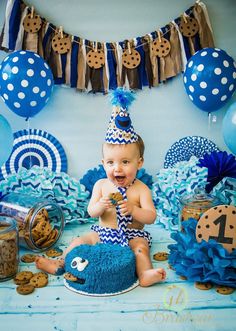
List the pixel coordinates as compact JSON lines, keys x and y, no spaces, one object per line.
{"x":123,"y":221}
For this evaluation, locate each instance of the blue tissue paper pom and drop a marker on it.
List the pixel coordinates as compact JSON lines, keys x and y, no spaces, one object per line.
{"x":219,"y":165}
{"x":122,"y":98}
{"x":203,"y":262}
{"x":145,"y":177}
{"x":93,"y":175}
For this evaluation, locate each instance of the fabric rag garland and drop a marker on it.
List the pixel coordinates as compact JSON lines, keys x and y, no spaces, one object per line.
{"x":66,"y":191}
{"x":203,"y":262}
{"x":171,"y":185}
{"x":93,"y":175}
{"x":103,"y":66}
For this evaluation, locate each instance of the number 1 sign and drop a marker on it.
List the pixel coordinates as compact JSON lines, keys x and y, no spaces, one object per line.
{"x":219,"y":224}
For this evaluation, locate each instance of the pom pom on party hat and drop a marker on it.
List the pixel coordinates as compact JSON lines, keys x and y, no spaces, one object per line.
{"x":120,"y":129}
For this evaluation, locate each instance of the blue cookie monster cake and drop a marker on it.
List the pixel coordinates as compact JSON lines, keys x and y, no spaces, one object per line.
{"x":101,"y":269}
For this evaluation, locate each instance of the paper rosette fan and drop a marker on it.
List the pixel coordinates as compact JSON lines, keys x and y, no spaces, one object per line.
{"x":66,"y":191}
{"x":203,"y":262}
{"x":219,"y":165}
{"x":185,"y":148}
{"x":35,"y":147}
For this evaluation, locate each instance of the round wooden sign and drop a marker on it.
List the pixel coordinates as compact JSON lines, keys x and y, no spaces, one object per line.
{"x":61,"y":45}
{"x":131,"y":59}
{"x":95,"y":59}
{"x":188,"y":26}
{"x":218,"y":223}
{"x":32,"y":24}
{"x":161,"y":47}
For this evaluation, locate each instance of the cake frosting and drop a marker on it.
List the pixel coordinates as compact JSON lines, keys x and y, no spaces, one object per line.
{"x":101,"y":269}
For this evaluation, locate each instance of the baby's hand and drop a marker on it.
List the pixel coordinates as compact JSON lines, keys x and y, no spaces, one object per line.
{"x":126,"y":208}
{"x":106,"y":202}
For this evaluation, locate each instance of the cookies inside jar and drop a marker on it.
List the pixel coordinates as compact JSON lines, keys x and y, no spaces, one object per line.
{"x":8,"y":248}
{"x":43,"y":227}
{"x":194,"y":205}
{"x":40,"y":220}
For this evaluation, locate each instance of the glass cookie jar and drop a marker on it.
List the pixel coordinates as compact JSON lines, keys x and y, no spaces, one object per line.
{"x":193,"y":206}
{"x":8,"y":248}
{"x":40,"y":221}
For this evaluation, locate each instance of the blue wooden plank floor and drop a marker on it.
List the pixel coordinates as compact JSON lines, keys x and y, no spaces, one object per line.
{"x":175,"y":304}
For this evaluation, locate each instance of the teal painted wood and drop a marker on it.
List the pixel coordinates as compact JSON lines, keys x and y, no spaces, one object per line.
{"x":175,"y":304}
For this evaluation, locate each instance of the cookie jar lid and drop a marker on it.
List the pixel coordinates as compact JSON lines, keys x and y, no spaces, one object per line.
{"x":200,"y":199}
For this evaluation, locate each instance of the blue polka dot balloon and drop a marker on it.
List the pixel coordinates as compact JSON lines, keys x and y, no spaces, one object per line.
{"x":210,"y":78}
{"x":26,"y":83}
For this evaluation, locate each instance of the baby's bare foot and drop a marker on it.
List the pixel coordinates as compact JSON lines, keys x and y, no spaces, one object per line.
{"x":152,"y":276}
{"x":54,"y":267}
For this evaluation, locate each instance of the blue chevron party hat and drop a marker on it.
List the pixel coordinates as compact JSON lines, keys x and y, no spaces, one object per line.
{"x":120,"y":129}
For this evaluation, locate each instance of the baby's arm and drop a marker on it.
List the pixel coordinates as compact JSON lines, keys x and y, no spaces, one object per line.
{"x":98,"y":204}
{"x":146,"y":213}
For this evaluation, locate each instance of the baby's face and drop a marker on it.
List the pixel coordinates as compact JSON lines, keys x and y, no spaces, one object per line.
{"x":121,"y":163}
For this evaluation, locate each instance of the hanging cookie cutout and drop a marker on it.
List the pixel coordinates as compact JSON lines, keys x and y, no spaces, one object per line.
{"x":188,"y":26}
{"x":61,"y":42}
{"x":219,"y":224}
{"x":160,"y":47}
{"x":131,"y":58}
{"x":32,"y":23}
{"x":95,"y":58}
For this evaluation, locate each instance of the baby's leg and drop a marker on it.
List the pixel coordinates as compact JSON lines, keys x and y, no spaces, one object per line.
{"x":146,"y":273}
{"x":56,"y":267}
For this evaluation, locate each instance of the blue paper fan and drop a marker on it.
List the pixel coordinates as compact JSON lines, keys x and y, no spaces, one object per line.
{"x":35,"y":147}
{"x":219,"y":165}
{"x":185,"y":148}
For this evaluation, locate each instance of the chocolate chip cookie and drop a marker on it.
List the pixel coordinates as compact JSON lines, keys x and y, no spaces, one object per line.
{"x":23,"y":277}
{"x":160,"y":256}
{"x":25,"y":289}
{"x":39,"y":279}
{"x":203,"y":286}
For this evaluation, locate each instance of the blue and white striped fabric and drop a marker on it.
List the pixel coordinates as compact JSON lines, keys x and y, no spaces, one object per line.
{"x":122,"y":221}
{"x":112,"y":236}
{"x":35,"y":147}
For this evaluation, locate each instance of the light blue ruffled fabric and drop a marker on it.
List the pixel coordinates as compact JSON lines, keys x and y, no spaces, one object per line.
{"x":225,"y":190}
{"x":66,"y":191}
{"x":172,"y":185}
